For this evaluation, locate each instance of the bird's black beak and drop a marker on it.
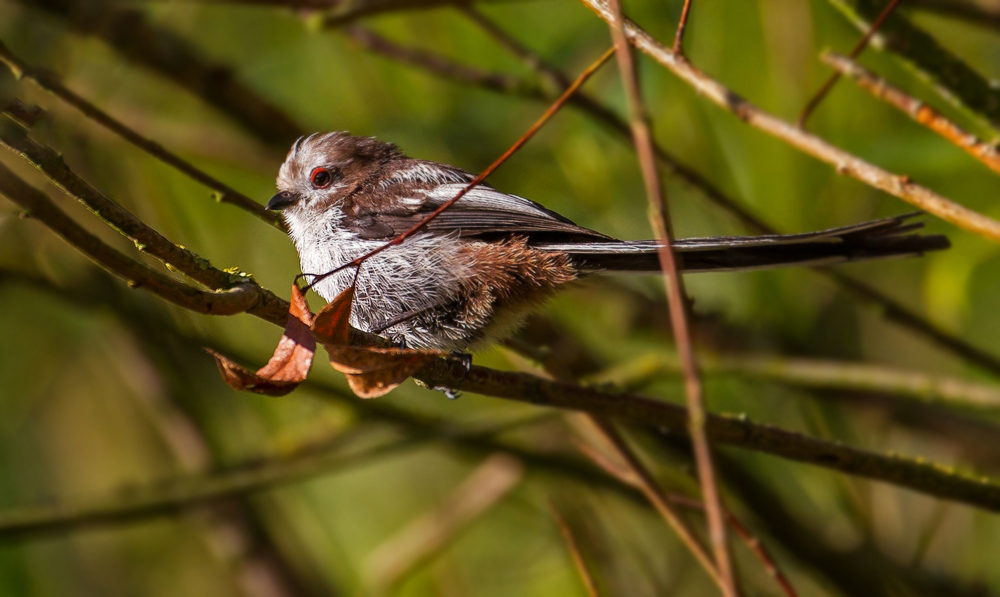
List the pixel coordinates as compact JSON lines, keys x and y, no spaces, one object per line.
{"x":281,"y":201}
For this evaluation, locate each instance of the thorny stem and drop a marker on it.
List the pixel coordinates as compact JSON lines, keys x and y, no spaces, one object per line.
{"x":861,"y":45}
{"x":534,"y":128}
{"x":660,"y":220}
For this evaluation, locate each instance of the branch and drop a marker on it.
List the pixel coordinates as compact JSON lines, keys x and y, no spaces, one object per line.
{"x":171,"y":496}
{"x":146,"y":239}
{"x":441,"y":66}
{"x":917,"y":474}
{"x":946,"y":73}
{"x":659,"y":217}
{"x":844,"y":162}
{"x":51,"y":83}
{"x":237,"y":299}
{"x":976,"y":14}
{"x":817,"y":374}
{"x":986,"y":153}
{"x":170,"y":55}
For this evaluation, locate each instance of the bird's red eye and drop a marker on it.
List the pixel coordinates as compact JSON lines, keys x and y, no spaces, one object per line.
{"x":320,"y":178}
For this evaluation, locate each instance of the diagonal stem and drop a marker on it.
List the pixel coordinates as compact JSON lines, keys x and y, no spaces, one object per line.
{"x":861,"y":45}
{"x":660,"y":220}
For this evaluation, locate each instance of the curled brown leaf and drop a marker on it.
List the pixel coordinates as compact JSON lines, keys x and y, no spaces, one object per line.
{"x":371,"y":371}
{"x":290,"y":363}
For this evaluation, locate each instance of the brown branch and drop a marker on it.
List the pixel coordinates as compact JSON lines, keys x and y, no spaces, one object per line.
{"x":844,"y":162}
{"x":869,"y":568}
{"x":659,"y":216}
{"x":986,"y":153}
{"x":681,"y":28}
{"x":237,"y":299}
{"x":858,"y":48}
{"x":51,"y":83}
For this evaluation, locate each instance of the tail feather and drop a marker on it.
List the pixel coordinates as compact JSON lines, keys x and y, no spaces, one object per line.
{"x":878,"y":239}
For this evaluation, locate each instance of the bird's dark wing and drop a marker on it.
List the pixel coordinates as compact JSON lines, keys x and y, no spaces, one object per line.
{"x":482,"y":212}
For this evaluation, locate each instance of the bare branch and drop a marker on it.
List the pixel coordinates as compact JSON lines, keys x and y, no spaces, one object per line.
{"x":659,"y":216}
{"x":146,"y":239}
{"x":955,"y":80}
{"x":917,"y":474}
{"x":986,"y":153}
{"x":237,"y":299}
{"x":51,"y":83}
{"x":858,"y":48}
{"x":844,"y":162}
{"x":170,"y":55}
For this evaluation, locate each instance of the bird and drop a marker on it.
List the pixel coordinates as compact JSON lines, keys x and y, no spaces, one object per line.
{"x":472,"y":275}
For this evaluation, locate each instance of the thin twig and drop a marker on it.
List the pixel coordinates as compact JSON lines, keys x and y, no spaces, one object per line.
{"x":844,"y":162}
{"x":161,"y":50}
{"x":435,"y":63}
{"x":986,"y":153}
{"x":574,"y":551}
{"x":681,"y":28}
{"x":237,"y":299}
{"x":944,"y":482}
{"x":949,"y":75}
{"x":51,"y":83}
{"x":643,"y":481}
{"x":534,"y":128}
{"x":146,"y":239}
{"x":659,"y":216}
{"x":813,"y":373}
{"x":755,"y":545}
{"x":858,"y":48}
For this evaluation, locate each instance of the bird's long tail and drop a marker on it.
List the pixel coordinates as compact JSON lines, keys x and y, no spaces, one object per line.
{"x":878,"y":239}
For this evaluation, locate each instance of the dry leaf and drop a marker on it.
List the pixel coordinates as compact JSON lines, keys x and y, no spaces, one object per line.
{"x":290,"y":363}
{"x":371,"y":372}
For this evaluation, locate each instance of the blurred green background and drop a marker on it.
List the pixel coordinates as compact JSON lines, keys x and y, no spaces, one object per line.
{"x":103,"y":388}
